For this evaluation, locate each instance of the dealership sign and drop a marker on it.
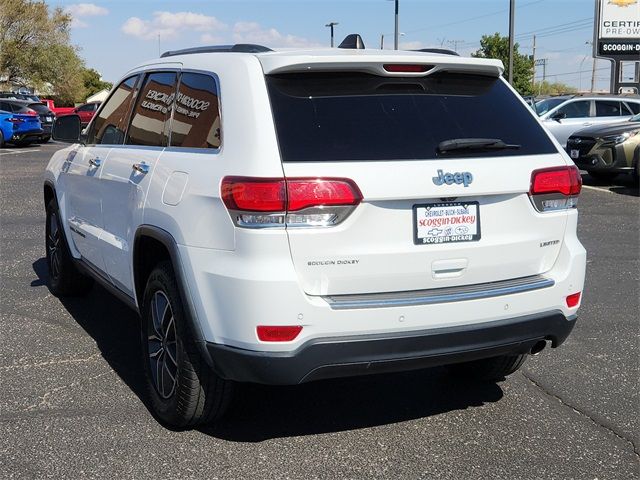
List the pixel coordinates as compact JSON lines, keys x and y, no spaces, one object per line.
{"x":617,"y":32}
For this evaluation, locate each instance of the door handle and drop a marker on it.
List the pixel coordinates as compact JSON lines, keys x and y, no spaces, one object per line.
{"x":95,"y":162}
{"x":587,"y":123}
{"x":141,"y":168}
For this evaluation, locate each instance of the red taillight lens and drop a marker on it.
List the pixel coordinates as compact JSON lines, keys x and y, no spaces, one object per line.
{"x":279,"y":333}
{"x":253,"y":194}
{"x":295,"y":202}
{"x":31,"y":112}
{"x":573,"y":300}
{"x":305,"y":193}
{"x":410,"y":68}
{"x":564,"y":180}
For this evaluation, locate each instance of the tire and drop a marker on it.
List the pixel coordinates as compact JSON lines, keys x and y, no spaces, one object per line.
{"x":64,"y":277}
{"x":603,"y":176}
{"x":182,"y":390}
{"x":489,"y":369}
{"x":1,"y":139}
{"x":44,"y":139}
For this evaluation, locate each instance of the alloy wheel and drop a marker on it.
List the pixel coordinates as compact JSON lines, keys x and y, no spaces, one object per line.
{"x":162,"y":345}
{"x":53,"y":246}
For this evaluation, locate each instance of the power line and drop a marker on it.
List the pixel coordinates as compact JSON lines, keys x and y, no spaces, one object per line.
{"x":554,"y":27}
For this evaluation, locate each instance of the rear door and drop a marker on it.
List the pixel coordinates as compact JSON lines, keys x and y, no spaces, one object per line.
{"x":610,"y":111}
{"x":428,"y":219}
{"x":128,"y":172}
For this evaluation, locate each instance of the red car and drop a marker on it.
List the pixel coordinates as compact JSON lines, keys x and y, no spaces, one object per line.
{"x":86,"y":112}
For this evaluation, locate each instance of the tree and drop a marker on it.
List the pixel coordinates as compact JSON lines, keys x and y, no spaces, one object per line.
{"x":36,"y":51}
{"x":497,"y":46}
{"x":556,"y":88}
{"x":93,"y":82}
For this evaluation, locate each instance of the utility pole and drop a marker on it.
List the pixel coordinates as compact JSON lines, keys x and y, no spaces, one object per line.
{"x":382,"y":41}
{"x":593,"y":74}
{"x":533,"y":82}
{"x":397,"y":33}
{"x":331,"y":25}
{"x":512,"y":8}
{"x":543,"y":62}
{"x":159,"y":50}
{"x":454,"y":44}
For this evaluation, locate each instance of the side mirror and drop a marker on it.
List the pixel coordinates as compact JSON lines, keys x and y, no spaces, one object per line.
{"x":67,"y":129}
{"x":558,"y":116}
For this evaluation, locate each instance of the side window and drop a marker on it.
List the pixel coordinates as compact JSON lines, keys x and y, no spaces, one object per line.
{"x":196,"y":118}
{"x":150,"y":121}
{"x":577,"y":109}
{"x":5,"y":106}
{"x":110,"y":124}
{"x":86,"y":108}
{"x":634,"y":107}
{"x":607,"y":108}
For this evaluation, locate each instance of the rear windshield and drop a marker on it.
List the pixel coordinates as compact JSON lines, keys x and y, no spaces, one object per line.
{"x":357,"y":116}
{"x":39,"y":107}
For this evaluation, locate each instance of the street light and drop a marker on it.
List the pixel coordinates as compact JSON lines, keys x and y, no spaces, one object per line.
{"x":382,"y":40}
{"x":396,"y":34}
{"x":331,"y":25}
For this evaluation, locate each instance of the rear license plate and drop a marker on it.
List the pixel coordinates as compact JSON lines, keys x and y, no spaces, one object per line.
{"x":575,"y":154}
{"x":48,"y":119}
{"x":449,"y":222}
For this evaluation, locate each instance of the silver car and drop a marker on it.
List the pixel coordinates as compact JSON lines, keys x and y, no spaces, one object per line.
{"x":565,"y":115}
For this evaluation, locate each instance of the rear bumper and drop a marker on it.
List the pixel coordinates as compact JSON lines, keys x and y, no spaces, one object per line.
{"x":333,"y":357}
{"x":27,"y":136}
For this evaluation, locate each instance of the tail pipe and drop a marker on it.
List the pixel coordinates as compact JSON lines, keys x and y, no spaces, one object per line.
{"x":538,"y":347}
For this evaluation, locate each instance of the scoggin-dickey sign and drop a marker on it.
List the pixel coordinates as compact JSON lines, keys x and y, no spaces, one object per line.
{"x":618,"y":29}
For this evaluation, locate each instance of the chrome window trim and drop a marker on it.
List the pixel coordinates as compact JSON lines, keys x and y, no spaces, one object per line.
{"x":439,"y":295}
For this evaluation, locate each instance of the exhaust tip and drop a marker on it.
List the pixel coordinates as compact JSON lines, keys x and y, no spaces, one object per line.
{"x":538,"y":347}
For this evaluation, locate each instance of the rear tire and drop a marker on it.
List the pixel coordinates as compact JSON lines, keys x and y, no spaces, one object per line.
{"x":489,"y":369}
{"x":1,"y":139}
{"x":182,"y":390}
{"x":64,"y":277}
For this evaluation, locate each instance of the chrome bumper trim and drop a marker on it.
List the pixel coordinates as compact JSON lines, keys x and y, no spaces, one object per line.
{"x":439,"y":295}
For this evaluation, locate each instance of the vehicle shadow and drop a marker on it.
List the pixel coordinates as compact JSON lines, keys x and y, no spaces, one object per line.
{"x":622,"y":184}
{"x":262,"y":412}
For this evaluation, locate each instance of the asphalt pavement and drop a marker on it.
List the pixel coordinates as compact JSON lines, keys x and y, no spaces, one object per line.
{"x":71,"y":404}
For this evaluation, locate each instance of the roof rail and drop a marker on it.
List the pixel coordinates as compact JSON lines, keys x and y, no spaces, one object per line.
{"x":238,"y":47}
{"x":444,"y":51}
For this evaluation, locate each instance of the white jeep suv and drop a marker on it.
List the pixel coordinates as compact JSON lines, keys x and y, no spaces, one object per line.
{"x":284,"y":217}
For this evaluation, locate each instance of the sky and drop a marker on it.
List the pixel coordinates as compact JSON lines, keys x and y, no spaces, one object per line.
{"x":114,"y":36}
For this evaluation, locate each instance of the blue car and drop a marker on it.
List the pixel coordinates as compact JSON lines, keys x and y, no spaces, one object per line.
{"x":19,"y":124}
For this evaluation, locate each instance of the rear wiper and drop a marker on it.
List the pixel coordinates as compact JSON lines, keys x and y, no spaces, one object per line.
{"x":474,"y":144}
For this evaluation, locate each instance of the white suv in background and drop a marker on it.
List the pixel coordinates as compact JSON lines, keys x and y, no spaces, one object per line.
{"x":566,"y":114}
{"x":284,"y":217}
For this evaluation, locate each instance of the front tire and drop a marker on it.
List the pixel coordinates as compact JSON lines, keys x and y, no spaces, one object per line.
{"x":64,"y":277}
{"x":182,"y":390}
{"x":489,"y":369}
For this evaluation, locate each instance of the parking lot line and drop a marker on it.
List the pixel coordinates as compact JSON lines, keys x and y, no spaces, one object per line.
{"x":600,"y":189}
{"x":18,"y":151}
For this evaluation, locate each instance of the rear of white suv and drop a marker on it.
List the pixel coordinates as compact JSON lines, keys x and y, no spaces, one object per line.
{"x":388,"y":211}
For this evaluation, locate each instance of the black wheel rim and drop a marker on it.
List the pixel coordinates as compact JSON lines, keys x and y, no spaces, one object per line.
{"x":162,"y":345}
{"x":53,"y":246}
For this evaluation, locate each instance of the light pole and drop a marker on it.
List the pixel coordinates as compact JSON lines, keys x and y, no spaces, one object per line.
{"x":396,"y":31}
{"x":331,"y":25}
{"x":512,"y":11}
{"x":382,"y":41}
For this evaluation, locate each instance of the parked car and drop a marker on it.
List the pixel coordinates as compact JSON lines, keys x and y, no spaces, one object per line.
{"x":86,"y":112}
{"x":606,"y":151}
{"x":19,"y":124}
{"x":565,"y":115}
{"x":57,"y":110}
{"x":47,"y":118}
{"x":327,"y":213}
{"x":20,"y":96}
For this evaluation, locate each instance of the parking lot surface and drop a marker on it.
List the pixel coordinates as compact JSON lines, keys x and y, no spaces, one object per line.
{"x":71,"y":403}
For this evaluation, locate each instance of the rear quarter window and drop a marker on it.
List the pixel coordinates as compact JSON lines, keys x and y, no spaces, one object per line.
{"x":356,"y":116}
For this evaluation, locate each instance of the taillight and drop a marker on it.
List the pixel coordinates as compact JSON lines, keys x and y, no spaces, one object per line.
{"x":294,"y":202}
{"x":31,"y":112}
{"x":555,"y":188}
{"x":278,"y":333}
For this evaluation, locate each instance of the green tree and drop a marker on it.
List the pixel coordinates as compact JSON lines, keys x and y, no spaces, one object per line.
{"x":497,"y":46}
{"x":36,"y":51}
{"x":93,"y":82}
{"x":556,"y":88}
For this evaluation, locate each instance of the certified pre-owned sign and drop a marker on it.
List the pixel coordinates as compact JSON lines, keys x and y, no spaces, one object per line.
{"x":618,"y":28}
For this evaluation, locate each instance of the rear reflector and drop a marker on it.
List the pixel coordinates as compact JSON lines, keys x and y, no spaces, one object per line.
{"x":409,"y":68}
{"x":555,"y":188}
{"x":573,"y":300}
{"x":270,"y":202}
{"x":278,"y":334}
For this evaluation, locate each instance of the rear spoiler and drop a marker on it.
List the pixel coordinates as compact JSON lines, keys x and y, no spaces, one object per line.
{"x":374,"y":64}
